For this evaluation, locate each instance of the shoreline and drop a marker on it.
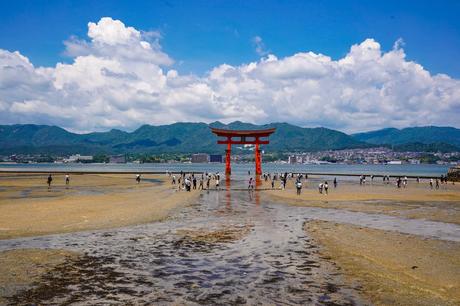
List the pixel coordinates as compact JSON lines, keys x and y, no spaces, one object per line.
{"x":321,"y":174}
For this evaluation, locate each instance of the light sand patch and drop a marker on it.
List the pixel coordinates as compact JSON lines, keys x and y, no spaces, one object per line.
{"x":226,"y":234}
{"x":27,"y":208}
{"x":393,"y":268}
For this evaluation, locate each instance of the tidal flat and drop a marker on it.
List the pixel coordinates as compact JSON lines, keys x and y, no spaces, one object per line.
{"x":155,"y":244}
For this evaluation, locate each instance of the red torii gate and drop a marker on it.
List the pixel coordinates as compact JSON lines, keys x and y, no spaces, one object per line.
{"x":245,"y":137}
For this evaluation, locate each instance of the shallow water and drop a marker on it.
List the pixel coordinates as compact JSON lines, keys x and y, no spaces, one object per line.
{"x":242,"y":168}
{"x":270,"y":260}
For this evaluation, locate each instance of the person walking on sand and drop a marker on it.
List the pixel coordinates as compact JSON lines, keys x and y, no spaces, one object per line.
{"x":437,"y":184}
{"x":207,"y":183}
{"x":298,"y":186}
{"x":173,"y":182}
{"x":320,"y":188}
{"x":67,"y":180}
{"x":326,"y":187}
{"x":201,"y":184}
{"x":187,"y":184}
{"x":431,"y":183}
{"x":250,"y":186}
{"x":49,"y":180}
{"x":138,"y":178}
{"x":217,"y":182}
{"x":194,"y":182}
{"x":335,"y":182}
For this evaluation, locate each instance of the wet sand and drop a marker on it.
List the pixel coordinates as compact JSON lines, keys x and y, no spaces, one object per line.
{"x":228,"y":246}
{"x":29,"y":208}
{"x":392,"y":268}
{"x":223,"y":249}
{"x":416,"y":201}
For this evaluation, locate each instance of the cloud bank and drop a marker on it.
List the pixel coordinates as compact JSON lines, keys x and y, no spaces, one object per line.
{"x":120,"y":77}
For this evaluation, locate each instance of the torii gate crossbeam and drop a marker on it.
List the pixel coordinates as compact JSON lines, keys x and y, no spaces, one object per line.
{"x":243,"y":137}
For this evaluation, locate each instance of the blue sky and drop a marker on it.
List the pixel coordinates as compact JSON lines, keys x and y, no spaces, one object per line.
{"x":348,"y":65}
{"x":199,"y":35}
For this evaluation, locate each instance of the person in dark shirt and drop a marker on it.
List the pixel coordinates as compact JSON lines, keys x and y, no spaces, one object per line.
{"x":49,"y":180}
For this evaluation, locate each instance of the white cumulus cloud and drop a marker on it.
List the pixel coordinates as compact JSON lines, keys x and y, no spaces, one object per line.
{"x":120,"y":77}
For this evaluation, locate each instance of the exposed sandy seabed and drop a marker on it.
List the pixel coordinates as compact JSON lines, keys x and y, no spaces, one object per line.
{"x":28,"y":208}
{"x":392,"y":268}
{"x":417,"y":200}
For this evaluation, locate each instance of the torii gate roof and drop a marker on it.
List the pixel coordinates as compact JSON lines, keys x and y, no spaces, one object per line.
{"x":247,"y":133}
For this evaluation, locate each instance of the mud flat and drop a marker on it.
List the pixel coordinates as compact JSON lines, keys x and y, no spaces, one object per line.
{"x":29,"y":208}
{"x":392,"y":268}
{"x":416,"y":201}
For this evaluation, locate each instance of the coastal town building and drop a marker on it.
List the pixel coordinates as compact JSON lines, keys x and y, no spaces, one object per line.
{"x":215,"y":158}
{"x":200,"y":158}
{"x":78,"y":158}
{"x":117,"y":159}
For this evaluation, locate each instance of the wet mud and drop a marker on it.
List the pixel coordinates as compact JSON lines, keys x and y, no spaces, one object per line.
{"x":230,"y":247}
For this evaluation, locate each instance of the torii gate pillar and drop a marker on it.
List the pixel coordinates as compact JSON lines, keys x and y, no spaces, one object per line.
{"x":228,"y":152}
{"x":258,"y":158}
{"x":245,"y":137}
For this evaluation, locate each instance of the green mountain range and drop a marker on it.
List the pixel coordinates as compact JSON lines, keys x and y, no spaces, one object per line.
{"x":173,"y":138}
{"x":197,"y":137}
{"x":423,"y":135}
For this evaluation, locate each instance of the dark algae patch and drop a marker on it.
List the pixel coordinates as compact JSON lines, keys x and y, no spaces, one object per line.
{"x":87,"y":278}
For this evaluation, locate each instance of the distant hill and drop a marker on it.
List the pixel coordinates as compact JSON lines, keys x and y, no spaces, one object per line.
{"x":423,"y":135}
{"x":173,"y":138}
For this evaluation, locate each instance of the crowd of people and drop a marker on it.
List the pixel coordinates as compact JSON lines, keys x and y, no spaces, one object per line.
{"x":201,"y":181}
{"x":190,"y":181}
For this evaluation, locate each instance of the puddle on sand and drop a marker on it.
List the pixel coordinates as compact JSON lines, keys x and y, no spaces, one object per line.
{"x":228,"y":248}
